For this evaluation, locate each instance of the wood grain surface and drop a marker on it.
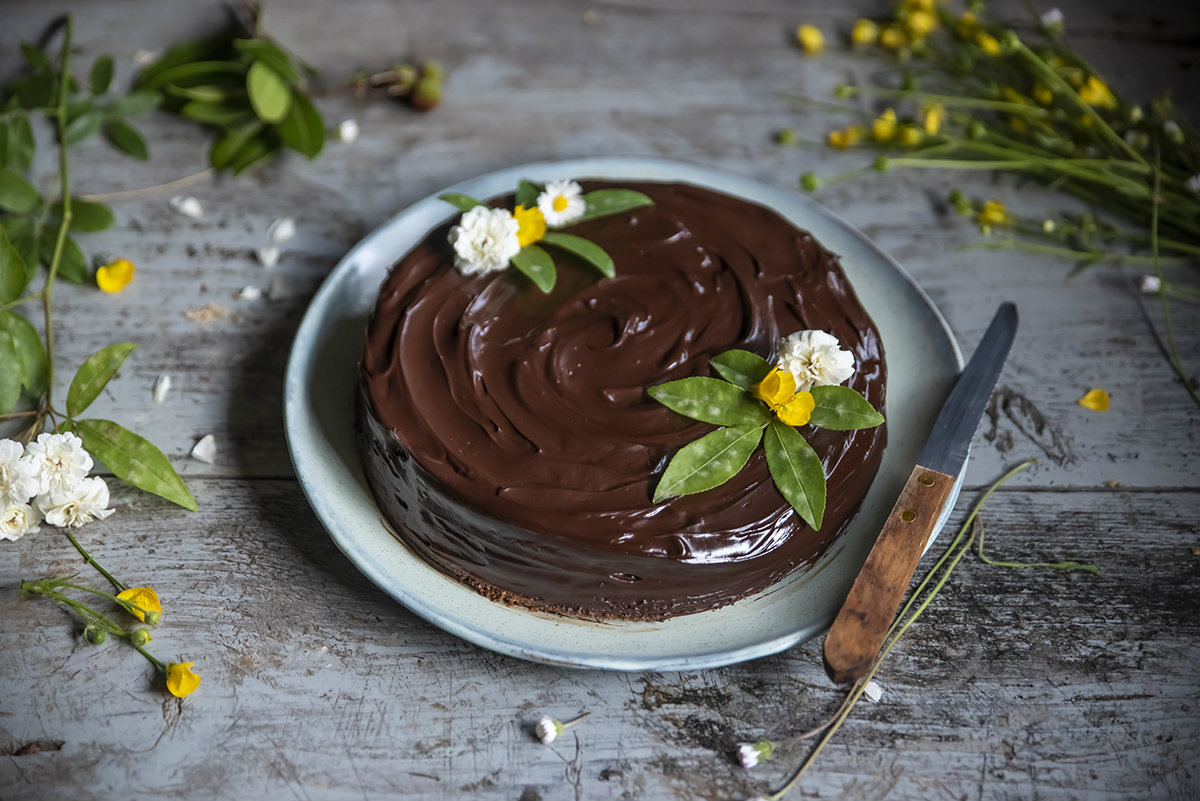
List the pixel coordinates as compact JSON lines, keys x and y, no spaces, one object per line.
{"x":1016,"y":684}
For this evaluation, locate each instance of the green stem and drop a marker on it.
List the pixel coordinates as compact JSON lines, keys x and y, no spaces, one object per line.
{"x":12,"y":304}
{"x":156,"y":662}
{"x":1066,"y":566}
{"x":957,"y":101}
{"x":1076,"y":255}
{"x":1172,"y":348}
{"x":65,"y":222}
{"x":87,"y":558}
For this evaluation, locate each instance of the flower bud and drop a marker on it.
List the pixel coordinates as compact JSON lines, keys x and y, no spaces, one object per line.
{"x":809,"y":182}
{"x":139,"y":637}
{"x":1009,"y":41}
{"x":975,"y":130}
{"x":844,"y":90}
{"x":881,"y":164}
{"x":786,"y":137}
{"x":153,"y":617}
{"x":94,"y":635}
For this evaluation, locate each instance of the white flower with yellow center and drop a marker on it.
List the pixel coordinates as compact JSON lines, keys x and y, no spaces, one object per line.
{"x":484,"y":241}
{"x":75,"y":507}
{"x":58,"y":462}
{"x":17,"y":520}
{"x":561,"y":202}
{"x":17,"y":482}
{"x":815,"y":358}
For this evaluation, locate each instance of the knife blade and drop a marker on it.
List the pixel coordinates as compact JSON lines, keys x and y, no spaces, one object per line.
{"x":861,"y":624}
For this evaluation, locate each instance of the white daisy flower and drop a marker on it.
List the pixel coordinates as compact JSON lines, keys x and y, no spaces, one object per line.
{"x":750,"y":754}
{"x":484,"y":241}
{"x":348,"y":130}
{"x":58,"y":462}
{"x":548,"y":729}
{"x":17,"y":482}
{"x":82,"y":504}
{"x":17,"y":520}
{"x":815,"y":358}
{"x":561,"y":202}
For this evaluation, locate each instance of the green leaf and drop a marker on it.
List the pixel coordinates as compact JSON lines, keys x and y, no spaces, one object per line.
{"x":527,"y":194}
{"x":272,"y":55}
{"x":36,"y":57}
{"x":13,"y":270}
{"x":19,"y":142}
{"x":461,"y":202}
{"x":72,"y":266}
{"x":205,"y":93}
{"x":86,"y":216}
{"x":258,"y":148}
{"x":797,"y":471}
{"x":132,"y":459}
{"x":35,"y":91}
{"x":224,"y":115}
{"x":101,"y":74}
{"x":227,"y":145}
{"x":603,"y":202}
{"x":712,"y":401}
{"x":842,"y":409}
{"x":708,"y":462}
{"x":16,"y":193}
{"x":269,"y":93}
{"x":23,"y":234}
{"x":537,"y":265}
{"x":94,"y":374}
{"x":30,"y":352}
{"x":134,"y":104}
{"x":82,"y":127}
{"x":209,"y":49}
{"x":302,"y":129}
{"x":741,"y":367}
{"x":584,"y":249}
{"x":126,"y":138}
{"x":10,"y":373}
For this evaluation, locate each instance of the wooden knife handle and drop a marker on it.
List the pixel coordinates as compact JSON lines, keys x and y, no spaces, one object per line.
{"x":859,"y":628}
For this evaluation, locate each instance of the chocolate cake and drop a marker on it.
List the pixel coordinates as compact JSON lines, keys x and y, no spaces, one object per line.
{"x":509,"y":439}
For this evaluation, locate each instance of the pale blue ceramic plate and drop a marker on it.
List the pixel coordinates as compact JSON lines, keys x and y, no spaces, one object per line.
{"x":923,"y":360}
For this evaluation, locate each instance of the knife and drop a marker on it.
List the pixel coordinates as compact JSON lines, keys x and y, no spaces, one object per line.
{"x":862,"y":623}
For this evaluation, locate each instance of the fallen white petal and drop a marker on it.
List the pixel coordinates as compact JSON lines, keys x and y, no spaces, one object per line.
{"x":281,"y":230}
{"x":205,"y":450}
{"x":872,"y":692}
{"x":1151,"y":285}
{"x":348,"y":130}
{"x":1052,"y":17}
{"x":162,"y":385}
{"x":143,"y":57}
{"x":187,"y":205}
{"x":249,"y":293}
{"x":268,"y":257}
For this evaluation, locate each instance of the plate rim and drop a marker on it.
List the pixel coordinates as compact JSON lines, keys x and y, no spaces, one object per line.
{"x":301,"y":357}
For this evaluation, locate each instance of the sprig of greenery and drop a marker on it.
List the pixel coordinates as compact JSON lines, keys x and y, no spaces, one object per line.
{"x":532,"y":260}
{"x":745,"y":421}
{"x":27,"y":362}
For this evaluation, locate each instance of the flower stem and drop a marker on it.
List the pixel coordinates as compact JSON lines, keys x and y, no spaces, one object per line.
{"x":1077,"y":255}
{"x":87,"y":558}
{"x":1172,"y":348}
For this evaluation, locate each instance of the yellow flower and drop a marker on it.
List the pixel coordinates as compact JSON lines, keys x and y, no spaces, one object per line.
{"x":776,"y":388}
{"x":933,"y":119}
{"x":993,"y":213}
{"x":1013,"y":96}
{"x":1096,"y":93}
{"x":893,"y":38}
{"x":884,"y":128}
{"x":1096,"y":399}
{"x":988,"y":43}
{"x":811,"y":40}
{"x":1042,"y":94}
{"x":909,"y":135}
{"x":919,"y":5}
{"x":778,"y":391}
{"x":797,"y":410}
{"x":531,"y":224}
{"x":967,"y":25}
{"x":864,"y":32}
{"x":921,"y":23}
{"x":139,"y":599}
{"x":114,"y":276}
{"x":1019,"y":125}
{"x":844,"y":138}
{"x":181,"y":680}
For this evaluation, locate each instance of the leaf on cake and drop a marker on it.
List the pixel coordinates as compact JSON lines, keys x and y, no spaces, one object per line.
{"x":708,"y":462}
{"x":796,"y":470}
{"x":603,"y":202}
{"x":711,"y":400}
{"x":741,"y":367}
{"x":537,"y":265}
{"x":841,"y":408}
{"x":584,"y":249}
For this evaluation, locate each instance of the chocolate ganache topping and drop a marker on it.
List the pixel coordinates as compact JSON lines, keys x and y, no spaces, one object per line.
{"x":508,"y":436}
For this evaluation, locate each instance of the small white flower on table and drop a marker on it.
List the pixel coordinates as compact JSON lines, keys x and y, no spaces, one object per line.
{"x":815,"y":359}
{"x":561,"y":202}
{"x":348,"y":130}
{"x":17,"y":480}
{"x":84,"y":502}
{"x":17,"y":520}
{"x":548,"y":729}
{"x":58,"y":462}
{"x":484,"y":241}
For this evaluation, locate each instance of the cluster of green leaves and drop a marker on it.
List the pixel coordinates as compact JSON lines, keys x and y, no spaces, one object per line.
{"x":29,"y":221}
{"x":247,"y":87}
{"x":533,"y":260}
{"x":744,"y":422}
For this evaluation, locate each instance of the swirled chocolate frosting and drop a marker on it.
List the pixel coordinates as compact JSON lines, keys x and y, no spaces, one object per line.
{"x":508,"y":436}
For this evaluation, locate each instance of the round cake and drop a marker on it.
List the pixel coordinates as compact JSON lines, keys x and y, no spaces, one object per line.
{"x":510,"y":441}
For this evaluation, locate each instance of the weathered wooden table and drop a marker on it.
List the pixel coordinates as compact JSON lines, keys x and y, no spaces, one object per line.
{"x":1016,"y":684}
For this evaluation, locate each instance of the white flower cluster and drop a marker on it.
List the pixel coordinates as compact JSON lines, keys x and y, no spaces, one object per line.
{"x":48,"y":480}
{"x":815,"y":359}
